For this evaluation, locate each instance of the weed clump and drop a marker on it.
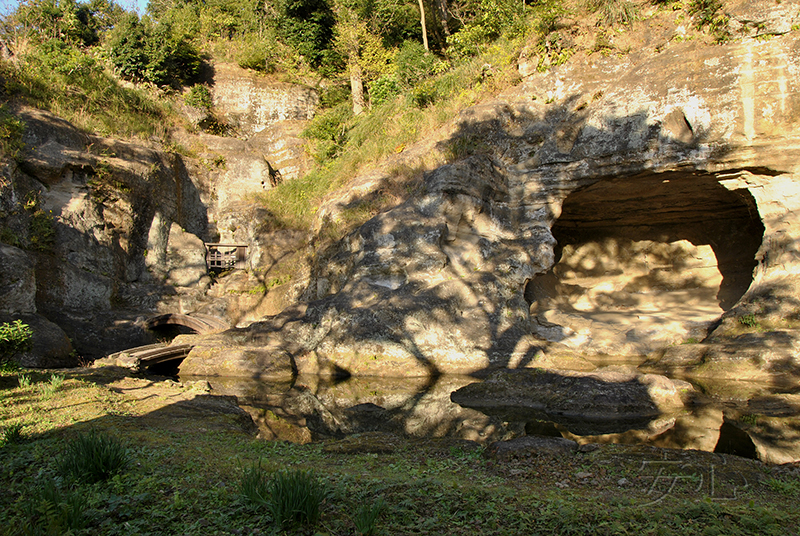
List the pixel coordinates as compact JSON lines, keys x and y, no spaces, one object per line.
{"x":368,"y":515}
{"x":53,"y":511}
{"x":291,"y":497}
{"x":93,"y":458}
{"x":11,"y":435}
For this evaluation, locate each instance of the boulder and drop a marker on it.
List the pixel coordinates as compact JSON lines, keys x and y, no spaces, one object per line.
{"x":585,"y":403}
{"x":221,"y":356}
{"x":527,"y":446}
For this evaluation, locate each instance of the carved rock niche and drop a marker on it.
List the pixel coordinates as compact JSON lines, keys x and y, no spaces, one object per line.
{"x":645,"y":261}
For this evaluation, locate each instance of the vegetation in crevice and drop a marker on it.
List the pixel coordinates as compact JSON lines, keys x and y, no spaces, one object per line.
{"x":15,"y":337}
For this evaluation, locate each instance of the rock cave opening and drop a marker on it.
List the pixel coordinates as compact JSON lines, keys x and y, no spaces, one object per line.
{"x":646,"y":260}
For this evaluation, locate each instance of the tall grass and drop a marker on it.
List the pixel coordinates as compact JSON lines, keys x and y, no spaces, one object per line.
{"x":367,"y":516}
{"x":292,"y":497}
{"x":51,"y":510}
{"x":72,"y":85}
{"x":11,"y":434}
{"x":93,"y":457}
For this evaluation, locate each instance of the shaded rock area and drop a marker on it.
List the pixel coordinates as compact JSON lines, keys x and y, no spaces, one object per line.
{"x":18,"y":284}
{"x":103,"y":234}
{"x":91,"y":215}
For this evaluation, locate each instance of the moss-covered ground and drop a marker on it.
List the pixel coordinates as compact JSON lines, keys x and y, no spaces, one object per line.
{"x":189,"y":449}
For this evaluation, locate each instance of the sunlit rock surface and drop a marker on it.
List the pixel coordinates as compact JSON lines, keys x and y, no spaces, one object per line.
{"x":612,"y":205}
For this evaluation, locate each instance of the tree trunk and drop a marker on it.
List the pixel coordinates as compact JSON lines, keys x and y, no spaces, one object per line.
{"x":444,"y":13}
{"x":356,"y":85}
{"x":424,"y":27}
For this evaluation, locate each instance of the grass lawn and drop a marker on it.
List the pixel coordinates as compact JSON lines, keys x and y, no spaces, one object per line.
{"x":188,"y":451}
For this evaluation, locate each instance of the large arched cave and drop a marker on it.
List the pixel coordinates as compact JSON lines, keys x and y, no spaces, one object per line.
{"x":668,"y":251}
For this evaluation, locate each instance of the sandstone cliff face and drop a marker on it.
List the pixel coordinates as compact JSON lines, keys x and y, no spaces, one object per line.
{"x":675,"y":172}
{"x":93,"y":215}
{"x":112,"y":231}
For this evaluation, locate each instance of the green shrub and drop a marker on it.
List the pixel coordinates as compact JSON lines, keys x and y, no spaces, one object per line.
{"x":414,"y":64}
{"x":141,"y":51}
{"x":8,"y":367}
{"x":424,"y":94}
{"x":261,"y":54}
{"x":383,"y":89}
{"x":15,"y":337}
{"x":707,"y":14}
{"x":42,"y":230}
{"x":749,"y":320}
{"x":199,"y":96}
{"x":93,"y":458}
{"x":493,"y":18}
{"x":329,"y":130}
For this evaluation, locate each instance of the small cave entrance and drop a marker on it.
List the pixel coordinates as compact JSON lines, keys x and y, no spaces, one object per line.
{"x":651,"y":255}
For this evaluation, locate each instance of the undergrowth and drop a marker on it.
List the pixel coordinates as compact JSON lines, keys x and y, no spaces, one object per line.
{"x":344,"y":145}
{"x":15,"y":337}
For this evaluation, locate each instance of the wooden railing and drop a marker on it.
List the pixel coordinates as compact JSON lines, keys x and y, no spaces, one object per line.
{"x":226,"y":256}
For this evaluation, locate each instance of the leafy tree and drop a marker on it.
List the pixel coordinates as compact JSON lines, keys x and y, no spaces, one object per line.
{"x":308,"y":25}
{"x":395,"y":21}
{"x":483,"y":22}
{"x":351,"y":31}
{"x":66,"y":20}
{"x":367,"y":58}
{"x":125,"y":47}
{"x":140,"y":51}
